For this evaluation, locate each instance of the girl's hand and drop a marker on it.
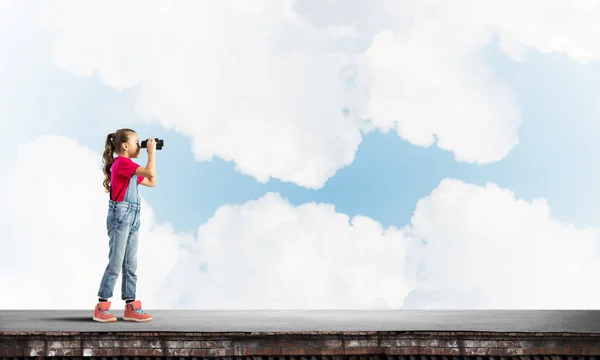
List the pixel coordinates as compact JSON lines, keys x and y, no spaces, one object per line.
{"x":151,"y":146}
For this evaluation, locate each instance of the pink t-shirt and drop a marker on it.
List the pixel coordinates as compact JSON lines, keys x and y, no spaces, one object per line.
{"x":121,"y":171}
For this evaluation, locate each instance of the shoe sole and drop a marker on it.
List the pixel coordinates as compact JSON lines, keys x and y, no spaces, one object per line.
{"x":104,"y":320}
{"x":134,"y":319}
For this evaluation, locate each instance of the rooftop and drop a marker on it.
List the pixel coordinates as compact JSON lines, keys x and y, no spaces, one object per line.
{"x":294,"y":321}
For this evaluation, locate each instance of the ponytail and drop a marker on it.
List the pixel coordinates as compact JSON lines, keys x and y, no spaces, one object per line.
{"x":108,"y":159}
{"x":113,"y":142}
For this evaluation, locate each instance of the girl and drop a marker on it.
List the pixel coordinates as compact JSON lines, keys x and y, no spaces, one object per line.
{"x":122,"y":177}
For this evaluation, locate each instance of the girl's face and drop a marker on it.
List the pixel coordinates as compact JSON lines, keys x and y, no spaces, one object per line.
{"x":132,"y":147}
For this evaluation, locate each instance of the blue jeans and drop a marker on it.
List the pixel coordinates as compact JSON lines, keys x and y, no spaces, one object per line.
{"x":122,"y":224}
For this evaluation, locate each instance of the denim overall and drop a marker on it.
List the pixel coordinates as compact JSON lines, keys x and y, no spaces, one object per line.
{"x":122,"y":224}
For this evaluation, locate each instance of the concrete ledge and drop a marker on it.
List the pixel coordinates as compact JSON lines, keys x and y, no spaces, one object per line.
{"x":305,"y":335}
{"x":274,"y":346}
{"x":293,"y":321}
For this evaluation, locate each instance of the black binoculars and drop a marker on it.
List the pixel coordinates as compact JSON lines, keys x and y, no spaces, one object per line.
{"x":159,"y":143}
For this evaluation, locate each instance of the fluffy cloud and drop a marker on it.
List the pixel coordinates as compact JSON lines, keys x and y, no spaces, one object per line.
{"x":265,"y":86}
{"x":426,"y":94}
{"x":269,"y":254}
{"x":247,"y":81}
{"x":53,"y":215}
{"x":480,"y":247}
{"x":467,"y":246}
{"x":284,"y":89}
{"x":262,"y":254}
{"x":567,"y":27}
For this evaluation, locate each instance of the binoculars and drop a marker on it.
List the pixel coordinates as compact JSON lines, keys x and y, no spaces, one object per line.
{"x":159,"y":143}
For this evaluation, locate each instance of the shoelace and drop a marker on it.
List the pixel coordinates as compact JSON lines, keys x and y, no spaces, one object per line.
{"x":139,"y":311}
{"x":107,"y":312}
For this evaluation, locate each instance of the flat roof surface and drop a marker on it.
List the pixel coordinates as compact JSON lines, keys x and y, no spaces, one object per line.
{"x":587,"y":321}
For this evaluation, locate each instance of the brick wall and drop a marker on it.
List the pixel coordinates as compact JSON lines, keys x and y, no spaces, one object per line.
{"x":338,"y":345}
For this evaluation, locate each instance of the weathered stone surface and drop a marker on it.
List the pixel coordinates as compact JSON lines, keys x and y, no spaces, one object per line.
{"x":340,"y":346}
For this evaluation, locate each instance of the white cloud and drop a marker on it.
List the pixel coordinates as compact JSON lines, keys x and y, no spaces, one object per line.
{"x":270,"y":254}
{"x":262,"y":254}
{"x":486,"y":249}
{"x":426,"y":78}
{"x":427,"y":94}
{"x":547,"y":26}
{"x":53,"y":215}
{"x":239,"y":80}
{"x":258,"y":84}
{"x":263,"y":84}
{"x":6,"y":7}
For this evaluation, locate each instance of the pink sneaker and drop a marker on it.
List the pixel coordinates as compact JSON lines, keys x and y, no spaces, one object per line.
{"x":134,"y":312}
{"x":102,"y":314}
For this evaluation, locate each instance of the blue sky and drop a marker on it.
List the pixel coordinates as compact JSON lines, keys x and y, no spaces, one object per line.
{"x":553,"y":160}
{"x":227,"y":71}
{"x":554,"y":157}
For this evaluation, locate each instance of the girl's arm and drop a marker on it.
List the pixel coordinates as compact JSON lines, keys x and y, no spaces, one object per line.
{"x":148,"y":172}
{"x":151,"y":182}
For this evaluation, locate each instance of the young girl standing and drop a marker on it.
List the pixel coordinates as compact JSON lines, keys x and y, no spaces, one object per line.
{"x":122,"y":177}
